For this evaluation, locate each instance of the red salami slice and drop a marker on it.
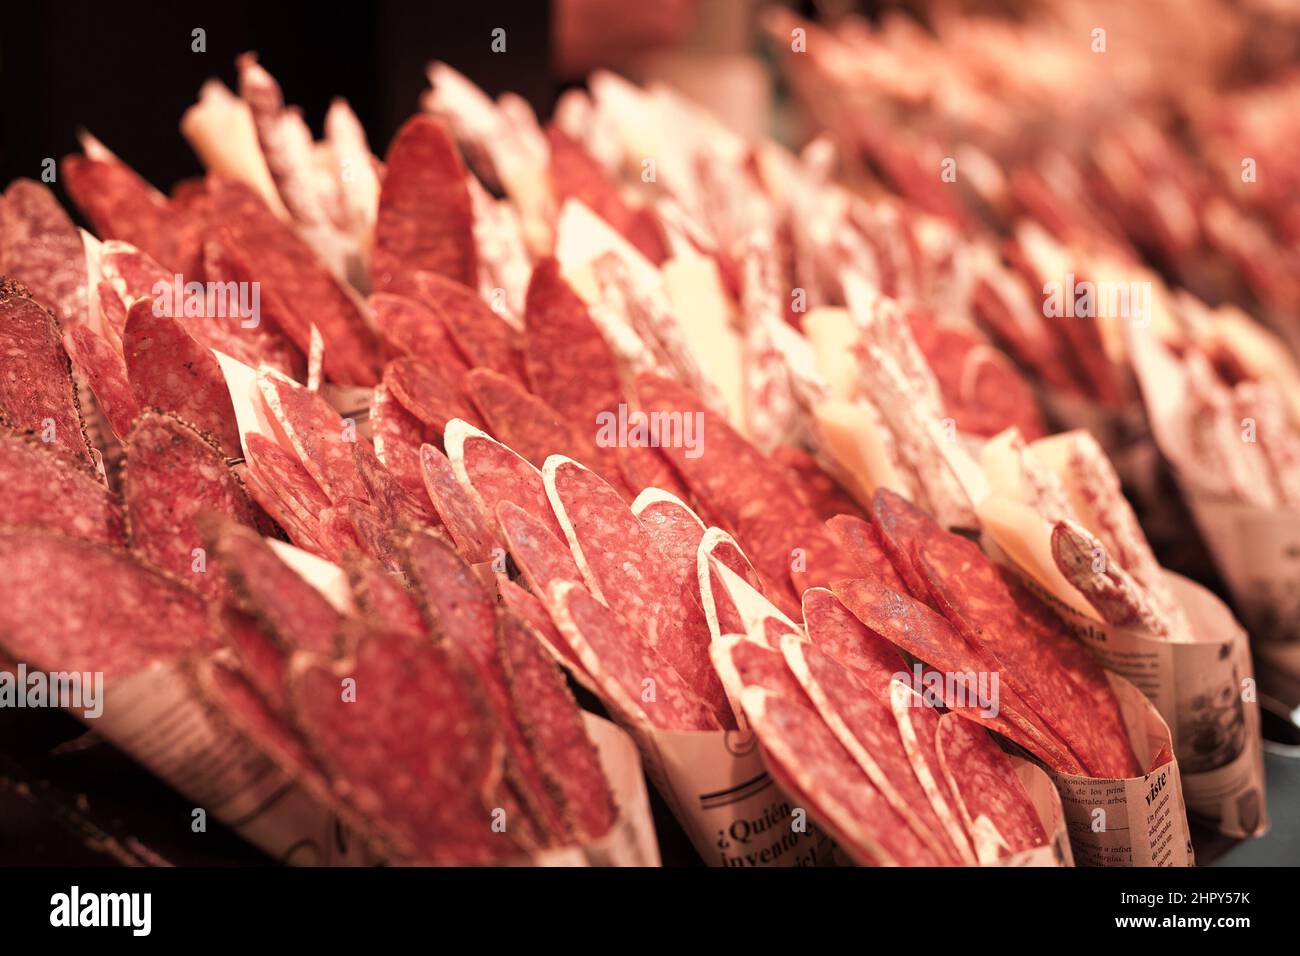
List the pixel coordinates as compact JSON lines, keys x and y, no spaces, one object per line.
{"x":901,"y":525}
{"x":321,"y":439}
{"x":72,"y":605}
{"x":337,"y":532}
{"x":377,"y":536}
{"x":972,"y":596}
{"x":295,"y":500}
{"x":40,"y":247}
{"x":36,"y":389}
{"x":457,"y":510}
{"x":412,"y":328}
{"x":836,"y":632}
{"x":861,"y":719}
{"x":523,"y":421}
{"x":568,"y":363}
{"x":554,"y":729}
{"x":296,"y":288}
{"x":427,"y":392}
{"x":171,"y":371}
{"x":861,"y":540}
{"x":113,"y":309}
{"x":132,"y":273}
{"x":291,"y":609}
{"x":676,"y":531}
{"x":541,"y":557}
{"x":830,"y":783}
{"x":493,"y":474}
{"x":398,"y":506}
{"x":398,"y":435}
{"x":45,"y":489}
{"x":928,"y":637}
{"x":103,"y":370}
{"x":481,"y":336}
{"x":735,"y":481}
{"x":430,"y":775}
{"x":634,"y":680}
{"x":992,"y":801}
{"x":529,"y":609}
{"x":382,"y":598}
{"x":459,"y":610}
{"x":426,"y":222}
{"x":262,"y":661}
{"x":173,"y":474}
{"x":644,"y":468}
{"x":820,"y":492}
{"x":255,"y":339}
{"x":622,"y":566}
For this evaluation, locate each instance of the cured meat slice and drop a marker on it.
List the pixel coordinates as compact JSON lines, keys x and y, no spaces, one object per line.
{"x":297,"y":498}
{"x":40,"y":247}
{"x":492,"y":473}
{"x":622,"y":567}
{"x":426,"y":392}
{"x":575,"y":174}
{"x":541,"y":557}
{"x":830,"y":783}
{"x":429,"y":776}
{"x":532,"y":612}
{"x":634,"y":680}
{"x":36,"y":389}
{"x":262,"y":661}
{"x":377,"y":536}
{"x":255,"y":338}
{"x":171,"y":371}
{"x":1108,"y":588}
{"x":820,"y":492}
{"x":455,"y":507}
{"x":971,"y":595}
{"x":382,"y":598}
{"x":644,"y":468}
{"x":412,"y":328}
{"x":835,"y":631}
{"x":337,"y":532}
{"x":676,"y":531}
{"x":320,"y":438}
{"x":296,"y":288}
{"x":174,"y":473}
{"x":918,"y":726}
{"x":862,"y":721}
{"x":928,"y":637}
{"x":482,"y":337}
{"x":398,"y":506}
{"x":458,"y":609}
{"x":554,"y":730}
{"x":791,"y":548}
{"x":71,"y":605}
{"x":523,"y":421}
{"x":45,"y":489}
{"x":397,"y":436}
{"x":293,"y":611}
{"x":992,"y":801}
{"x":900,"y":525}
{"x":426,"y":221}
{"x":103,"y":370}
{"x":861,"y":539}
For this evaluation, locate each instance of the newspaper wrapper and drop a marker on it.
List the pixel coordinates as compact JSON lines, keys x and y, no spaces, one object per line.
{"x":1255,"y":550}
{"x":1201,"y":689}
{"x":1051,"y":814}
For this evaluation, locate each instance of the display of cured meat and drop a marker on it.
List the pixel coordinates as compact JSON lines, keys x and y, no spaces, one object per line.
{"x":532,"y":481}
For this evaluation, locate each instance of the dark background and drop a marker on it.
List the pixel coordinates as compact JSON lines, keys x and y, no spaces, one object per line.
{"x":126,"y":72}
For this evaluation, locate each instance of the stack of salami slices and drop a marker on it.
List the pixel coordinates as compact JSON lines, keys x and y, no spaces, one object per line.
{"x":462,"y":446}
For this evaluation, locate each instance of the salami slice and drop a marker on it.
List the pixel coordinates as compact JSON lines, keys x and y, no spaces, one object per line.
{"x":41,"y":248}
{"x":296,"y":288}
{"x":412,"y":328}
{"x":321,"y":439}
{"x":378,"y":536}
{"x":990,"y":797}
{"x":1109,"y":589}
{"x":103,"y":370}
{"x":862,"y":721}
{"x":430,"y":776}
{"x":426,"y":222}
{"x":532,"y":612}
{"x":644,"y":468}
{"x":337,"y":532}
{"x":523,"y":421}
{"x":296,"y":501}
{"x":541,"y":557}
{"x":622,"y":567}
{"x":173,"y":473}
{"x":676,"y":531}
{"x":455,"y":507}
{"x":928,"y":637}
{"x":482,"y":338}
{"x":171,"y":371}
{"x":829,"y":781}
{"x":492,"y":473}
{"x":249,"y":330}
{"x":398,"y":506}
{"x":836,"y":632}
{"x":382,"y":598}
{"x":554,"y":729}
{"x":262,"y":661}
{"x":397,"y":436}
{"x":821,"y":493}
{"x":36,"y":389}
{"x":900,"y":525}
{"x":427,"y":392}
{"x":293,"y":611}
{"x":45,"y":489}
{"x":459,"y":610}
{"x":634,"y":680}
{"x":862,"y":541}
{"x":71,"y":605}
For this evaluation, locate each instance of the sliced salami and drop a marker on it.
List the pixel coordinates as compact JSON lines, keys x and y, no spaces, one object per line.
{"x":412,"y":328}
{"x":492,"y":473}
{"x":381,"y":597}
{"x":815,"y":488}
{"x":861,"y":539}
{"x":296,"y":499}
{"x":103,"y":370}
{"x":320,"y":438}
{"x":397,"y":436}
{"x":43,"y":488}
{"x":427,"y":392}
{"x":262,"y":661}
{"x":523,"y":421}
{"x":530,"y":610}
{"x":482,"y":338}
{"x":41,"y":248}
{"x":455,"y":507}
